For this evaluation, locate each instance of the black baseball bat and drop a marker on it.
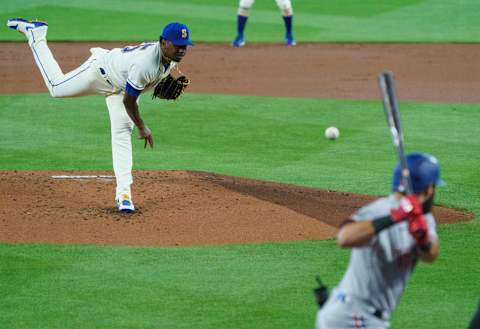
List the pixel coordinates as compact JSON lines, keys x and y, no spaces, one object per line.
{"x":386,"y":82}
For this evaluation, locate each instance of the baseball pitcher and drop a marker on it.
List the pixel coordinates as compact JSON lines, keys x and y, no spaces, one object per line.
{"x":242,"y":17}
{"x":387,"y":238}
{"x":121,"y":75}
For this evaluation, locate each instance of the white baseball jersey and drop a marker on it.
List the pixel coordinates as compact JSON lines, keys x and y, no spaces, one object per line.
{"x":139,"y":65}
{"x":105,"y":72}
{"x":377,"y":273}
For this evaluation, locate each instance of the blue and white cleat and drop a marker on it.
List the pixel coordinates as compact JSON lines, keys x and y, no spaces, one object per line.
{"x":125,"y":204}
{"x":23,"y":26}
{"x":238,"y":42}
{"x":290,"y":41}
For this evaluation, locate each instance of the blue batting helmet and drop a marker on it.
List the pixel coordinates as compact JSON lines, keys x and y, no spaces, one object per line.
{"x":424,"y":170}
{"x":177,"y":33}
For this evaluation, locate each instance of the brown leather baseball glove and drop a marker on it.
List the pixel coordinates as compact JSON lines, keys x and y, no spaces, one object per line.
{"x":170,"y":88}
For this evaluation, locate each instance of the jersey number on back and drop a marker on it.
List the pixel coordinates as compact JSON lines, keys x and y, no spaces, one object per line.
{"x":142,"y":46}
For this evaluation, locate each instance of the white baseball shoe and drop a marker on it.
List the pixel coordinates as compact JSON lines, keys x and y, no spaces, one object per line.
{"x":23,"y":26}
{"x":124,"y":203}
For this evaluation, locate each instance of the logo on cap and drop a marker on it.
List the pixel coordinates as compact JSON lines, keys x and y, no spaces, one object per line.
{"x":177,"y":33}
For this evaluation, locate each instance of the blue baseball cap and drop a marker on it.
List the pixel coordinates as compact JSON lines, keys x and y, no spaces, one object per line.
{"x":177,"y":33}
{"x":424,"y":171}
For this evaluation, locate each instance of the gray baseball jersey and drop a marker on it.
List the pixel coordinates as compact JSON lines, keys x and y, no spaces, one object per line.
{"x":377,"y":273}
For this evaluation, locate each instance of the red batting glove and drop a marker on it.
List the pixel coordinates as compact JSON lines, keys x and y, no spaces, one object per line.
{"x":418,"y":228}
{"x":409,"y":207}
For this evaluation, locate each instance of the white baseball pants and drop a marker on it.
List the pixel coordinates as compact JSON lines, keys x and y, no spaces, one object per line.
{"x":87,"y":80}
{"x":121,"y":129}
{"x":284,"y":5}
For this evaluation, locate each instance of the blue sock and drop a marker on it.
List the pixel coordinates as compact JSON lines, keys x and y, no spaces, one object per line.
{"x":288,"y":24}
{"x":241,"y":22}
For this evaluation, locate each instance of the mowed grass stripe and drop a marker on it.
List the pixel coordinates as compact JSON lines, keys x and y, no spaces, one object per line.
{"x":237,"y":286}
{"x":314,"y":21}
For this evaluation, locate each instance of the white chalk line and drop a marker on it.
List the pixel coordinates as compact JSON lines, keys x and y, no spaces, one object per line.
{"x":82,"y":177}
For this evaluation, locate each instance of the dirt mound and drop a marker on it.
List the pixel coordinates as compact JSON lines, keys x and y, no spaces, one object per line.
{"x":174,"y":208}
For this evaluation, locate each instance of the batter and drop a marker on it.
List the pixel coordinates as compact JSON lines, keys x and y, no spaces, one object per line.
{"x":387,"y":238}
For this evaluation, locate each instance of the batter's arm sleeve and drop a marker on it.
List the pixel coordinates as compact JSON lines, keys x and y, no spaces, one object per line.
{"x":432,"y":227}
{"x":355,"y":233}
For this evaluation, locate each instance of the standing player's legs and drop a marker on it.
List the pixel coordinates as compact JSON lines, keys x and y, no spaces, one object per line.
{"x":287,"y":14}
{"x":242,"y":17}
{"x":84,"y":80}
{"x":121,"y":128}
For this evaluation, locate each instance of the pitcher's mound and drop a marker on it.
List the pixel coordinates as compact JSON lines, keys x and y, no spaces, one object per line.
{"x":174,"y":208}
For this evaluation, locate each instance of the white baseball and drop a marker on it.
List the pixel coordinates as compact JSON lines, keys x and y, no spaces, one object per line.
{"x":332,"y":133}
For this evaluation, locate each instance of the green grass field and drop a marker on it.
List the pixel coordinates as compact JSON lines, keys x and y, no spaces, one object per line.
{"x":214,"y":20}
{"x":277,"y":139}
{"x":239,"y":286}
{"x":259,"y":285}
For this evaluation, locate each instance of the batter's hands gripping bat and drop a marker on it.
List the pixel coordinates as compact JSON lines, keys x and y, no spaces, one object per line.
{"x":390,"y":105}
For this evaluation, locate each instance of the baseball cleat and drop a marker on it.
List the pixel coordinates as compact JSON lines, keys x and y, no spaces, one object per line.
{"x":238,"y":42}
{"x":23,"y":26}
{"x":125,"y":204}
{"x":290,"y":41}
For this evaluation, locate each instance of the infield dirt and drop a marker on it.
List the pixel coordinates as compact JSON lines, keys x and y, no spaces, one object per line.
{"x":424,"y":72}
